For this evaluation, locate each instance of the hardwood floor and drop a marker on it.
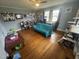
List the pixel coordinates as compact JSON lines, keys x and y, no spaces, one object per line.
{"x":39,"y":47}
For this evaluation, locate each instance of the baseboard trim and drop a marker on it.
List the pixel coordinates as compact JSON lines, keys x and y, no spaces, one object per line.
{"x":60,"y":30}
{"x":18,"y":29}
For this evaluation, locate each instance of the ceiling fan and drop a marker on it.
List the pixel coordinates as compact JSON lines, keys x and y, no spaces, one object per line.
{"x":38,"y":2}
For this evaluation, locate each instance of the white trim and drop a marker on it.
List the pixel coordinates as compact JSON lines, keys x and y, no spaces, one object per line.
{"x":18,"y":29}
{"x":60,"y":30}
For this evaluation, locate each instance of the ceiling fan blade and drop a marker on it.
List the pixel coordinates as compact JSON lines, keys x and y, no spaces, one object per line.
{"x":43,"y":2}
{"x":40,"y":1}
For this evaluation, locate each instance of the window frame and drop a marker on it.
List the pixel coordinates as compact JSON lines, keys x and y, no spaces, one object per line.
{"x":55,"y":16}
{"x":47,"y":20}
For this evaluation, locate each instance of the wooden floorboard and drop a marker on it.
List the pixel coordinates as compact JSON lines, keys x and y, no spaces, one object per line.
{"x":39,"y":47}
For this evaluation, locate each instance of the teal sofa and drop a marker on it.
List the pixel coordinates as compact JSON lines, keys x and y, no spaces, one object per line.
{"x":43,"y":28}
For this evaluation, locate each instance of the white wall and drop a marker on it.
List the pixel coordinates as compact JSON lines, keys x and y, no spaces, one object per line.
{"x":2,"y":41}
{"x":66,"y":16}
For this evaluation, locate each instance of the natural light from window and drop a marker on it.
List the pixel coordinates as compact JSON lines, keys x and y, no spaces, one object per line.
{"x":46,"y":15}
{"x":55,"y":14}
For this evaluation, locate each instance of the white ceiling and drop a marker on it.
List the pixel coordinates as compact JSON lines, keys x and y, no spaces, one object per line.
{"x":25,"y":4}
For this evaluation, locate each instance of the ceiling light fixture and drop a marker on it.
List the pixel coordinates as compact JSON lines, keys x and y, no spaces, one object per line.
{"x":37,"y":4}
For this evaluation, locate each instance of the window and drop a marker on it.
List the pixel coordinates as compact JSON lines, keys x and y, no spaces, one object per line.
{"x":55,"y":14}
{"x":46,"y":15}
{"x":51,"y":16}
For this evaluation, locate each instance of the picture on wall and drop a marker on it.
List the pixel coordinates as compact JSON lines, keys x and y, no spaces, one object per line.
{"x":68,"y":10}
{"x":18,"y":16}
{"x":8,"y":17}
